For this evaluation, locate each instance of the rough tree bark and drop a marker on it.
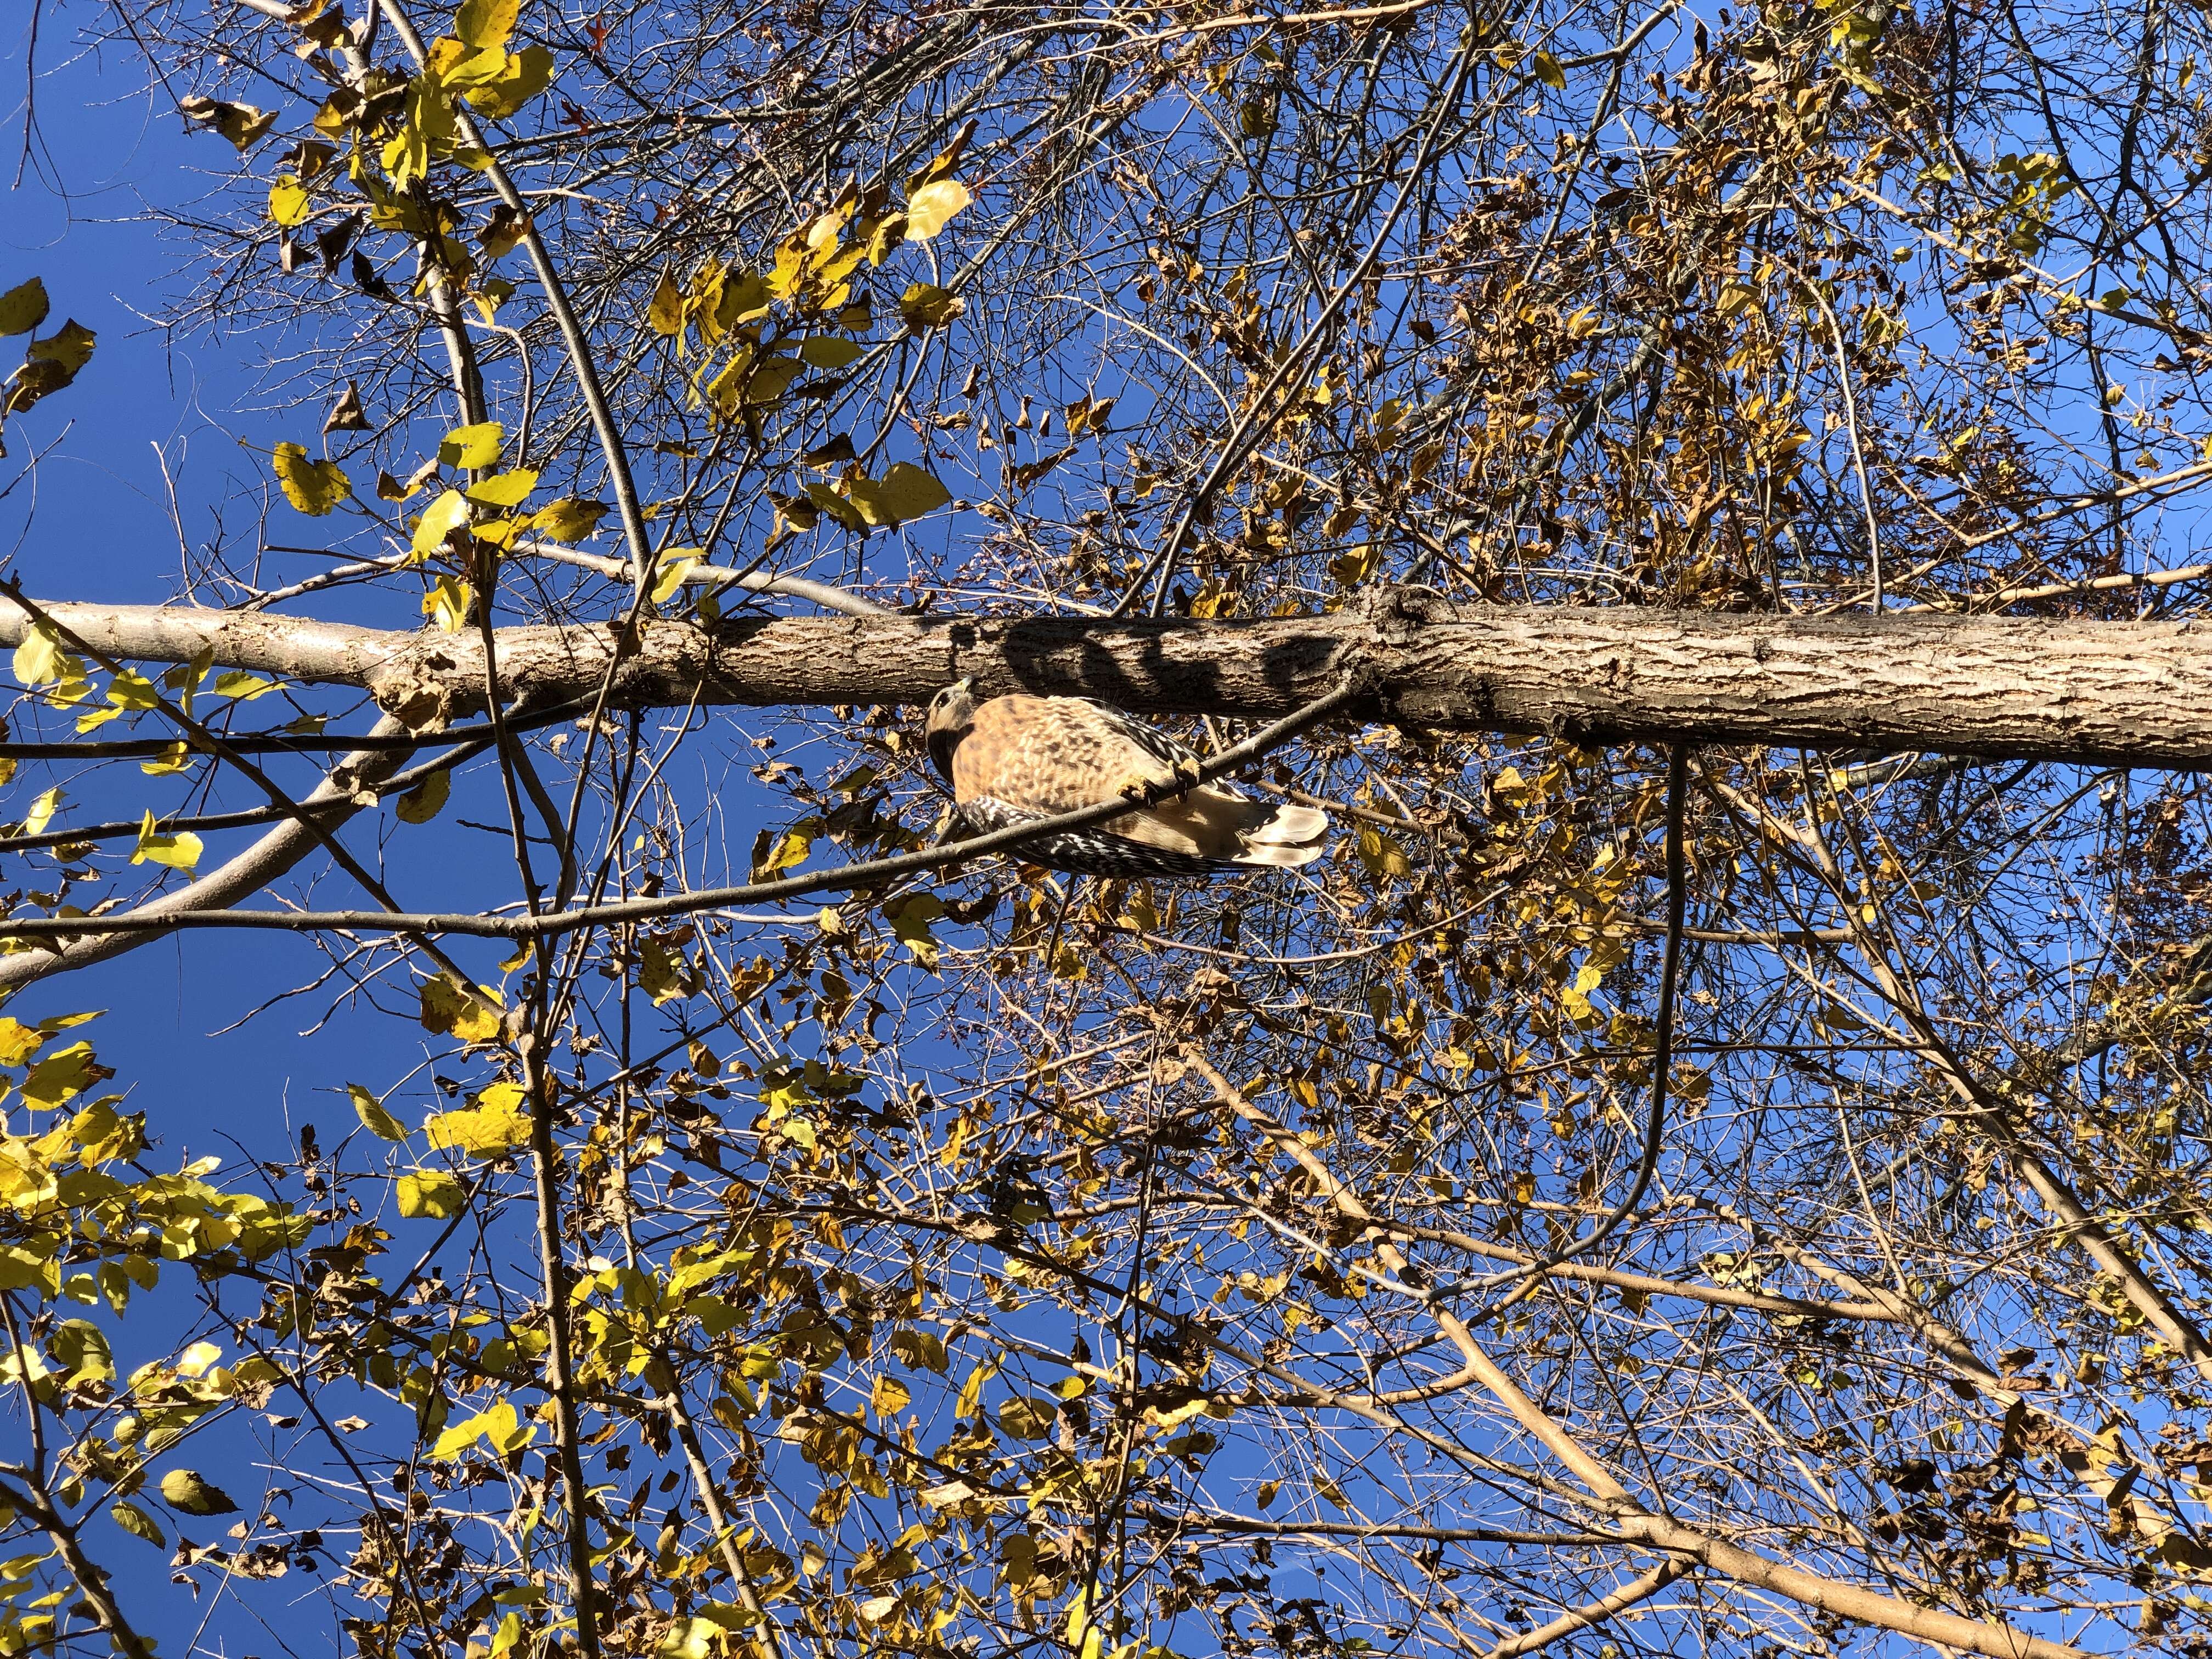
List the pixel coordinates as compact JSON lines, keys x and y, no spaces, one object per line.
{"x":2114,"y":694}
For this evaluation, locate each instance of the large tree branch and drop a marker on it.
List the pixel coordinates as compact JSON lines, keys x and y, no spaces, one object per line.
{"x":1595,"y":1613}
{"x":2126,"y":694}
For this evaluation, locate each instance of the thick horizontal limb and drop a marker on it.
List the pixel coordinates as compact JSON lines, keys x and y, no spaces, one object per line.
{"x":2125,"y":694}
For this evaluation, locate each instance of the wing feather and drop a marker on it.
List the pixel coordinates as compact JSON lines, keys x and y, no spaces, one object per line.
{"x":1026,"y":757}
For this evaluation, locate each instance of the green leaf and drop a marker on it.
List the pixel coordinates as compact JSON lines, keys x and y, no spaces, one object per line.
{"x":370,"y":1111}
{"x":430,"y":1194}
{"x":24,"y":307}
{"x":192,"y":1492}
{"x":314,"y":487}
{"x":468,"y":448}
{"x":135,"y":1521}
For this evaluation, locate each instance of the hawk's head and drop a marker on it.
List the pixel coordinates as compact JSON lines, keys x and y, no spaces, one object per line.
{"x":952,"y":713}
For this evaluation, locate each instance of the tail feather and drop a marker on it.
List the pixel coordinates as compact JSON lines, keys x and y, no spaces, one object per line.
{"x":1216,"y":824}
{"x":1265,"y":854}
{"x":1288,"y":825}
{"x":1285,"y":838}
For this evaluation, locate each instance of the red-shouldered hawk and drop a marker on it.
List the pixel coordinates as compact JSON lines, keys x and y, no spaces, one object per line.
{"x":1017,"y":759}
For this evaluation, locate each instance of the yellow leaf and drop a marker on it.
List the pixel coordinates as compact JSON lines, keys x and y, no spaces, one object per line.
{"x":288,"y":201}
{"x":50,"y":364}
{"x":1547,"y":69}
{"x":174,"y":758}
{"x":505,"y":488}
{"x":665,"y":314}
{"x":930,"y":207}
{"x":907,"y":492}
{"x":180,"y":851}
{"x":24,"y":307}
{"x":770,"y":378}
{"x":890,"y":1396}
{"x":42,"y":811}
{"x":314,"y":487}
{"x":925,"y":305}
{"x":526,"y":74}
{"x":194,"y":1493}
{"x":456,"y":64}
{"x":70,"y":348}
{"x":446,"y":1008}
{"x":470,"y":447}
{"x":439,"y":521}
{"x":668,"y":575}
{"x":40,"y":659}
{"x":448,"y":603}
{"x":886,"y":238}
{"x":665,"y":974}
{"x":426,"y":799}
{"x":495,"y":1124}
{"x":829,"y":500}
{"x":567,"y":520}
{"x":824,"y":351}
{"x":135,"y":1521}
{"x":406,"y":157}
{"x":745,"y":296}
{"x":370,"y":1111}
{"x":482,"y":23}
{"x":790,"y":852}
{"x":242,"y":124}
{"x":241,"y":686}
{"x":430,"y":1194}
{"x":901,"y":494}
{"x":18,"y":1042}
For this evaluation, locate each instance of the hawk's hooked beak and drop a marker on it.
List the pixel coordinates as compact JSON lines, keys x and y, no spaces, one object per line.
{"x":965,"y":683}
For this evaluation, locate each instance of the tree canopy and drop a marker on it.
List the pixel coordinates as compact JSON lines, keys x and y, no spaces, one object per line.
{"x":1712,"y":1160}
